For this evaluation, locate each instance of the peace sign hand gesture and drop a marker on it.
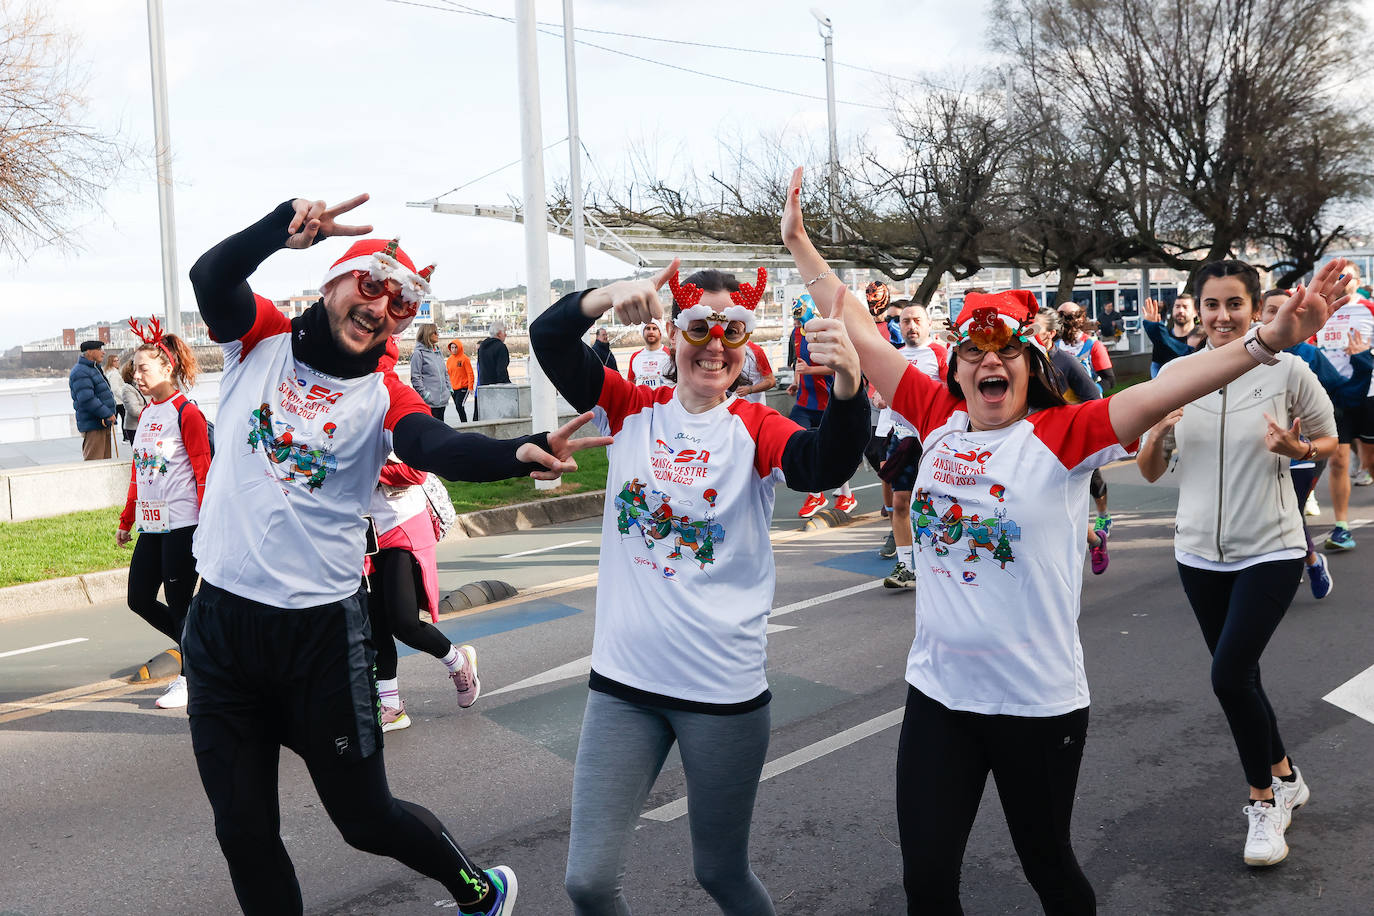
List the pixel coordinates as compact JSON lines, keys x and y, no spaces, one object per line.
{"x":315,"y":221}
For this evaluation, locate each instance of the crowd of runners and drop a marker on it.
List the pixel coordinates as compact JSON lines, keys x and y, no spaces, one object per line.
{"x":322,"y":514}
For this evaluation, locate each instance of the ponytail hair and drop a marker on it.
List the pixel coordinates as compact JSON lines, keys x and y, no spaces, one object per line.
{"x":179,"y":357}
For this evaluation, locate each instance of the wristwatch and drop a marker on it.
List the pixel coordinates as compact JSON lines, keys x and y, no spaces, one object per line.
{"x":1256,"y":347}
{"x":1311,"y":448}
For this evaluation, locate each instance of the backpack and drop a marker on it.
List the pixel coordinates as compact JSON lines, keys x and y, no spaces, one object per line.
{"x":209,"y":427}
{"x":441,"y":507}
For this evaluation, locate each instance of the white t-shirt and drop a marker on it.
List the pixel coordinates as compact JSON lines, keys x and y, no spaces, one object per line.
{"x":162,"y":469}
{"x":1000,"y":519}
{"x":686,"y":571}
{"x":1335,"y":334}
{"x":930,"y":358}
{"x":755,"y":369}
{"x":297,"y":458}
{"x":647,"y":367}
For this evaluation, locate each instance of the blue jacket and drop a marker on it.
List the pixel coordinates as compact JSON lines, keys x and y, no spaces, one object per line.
{"x":1344,"y":392}
{"x":92,"y":398}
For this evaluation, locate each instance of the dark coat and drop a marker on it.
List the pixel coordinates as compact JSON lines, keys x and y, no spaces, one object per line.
{"x":602,"y":349}
{"x":493,"y":362}
{"x":92,"y":398}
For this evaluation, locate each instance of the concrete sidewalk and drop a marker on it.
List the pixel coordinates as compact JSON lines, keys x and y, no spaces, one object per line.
{"x":111,"y":585}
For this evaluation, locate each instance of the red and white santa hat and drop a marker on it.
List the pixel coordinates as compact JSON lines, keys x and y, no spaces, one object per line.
{"x":384,"y":260}
{"x":745,"y":299}
{"x":991,"y":320}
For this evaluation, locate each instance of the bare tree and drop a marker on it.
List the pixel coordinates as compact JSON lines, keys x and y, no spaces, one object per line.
{"x":53,"y":163}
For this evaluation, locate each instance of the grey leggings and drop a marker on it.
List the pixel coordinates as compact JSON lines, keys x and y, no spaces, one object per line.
{"x":619,"y":755}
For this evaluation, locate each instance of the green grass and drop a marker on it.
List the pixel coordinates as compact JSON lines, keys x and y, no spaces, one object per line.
{"x":82,"y":542}
{"x":590,"y":475}
{"x":65,"y":545}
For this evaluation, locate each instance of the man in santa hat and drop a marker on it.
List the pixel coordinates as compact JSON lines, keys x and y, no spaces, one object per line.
{"x":277,"y":646}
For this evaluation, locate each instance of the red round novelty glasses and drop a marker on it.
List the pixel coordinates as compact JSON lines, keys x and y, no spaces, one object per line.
{"x":371,"y":288}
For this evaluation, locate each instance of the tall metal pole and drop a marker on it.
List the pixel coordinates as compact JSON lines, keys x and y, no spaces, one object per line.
{"x":544,"y":412}
{"x":171,"y":298}
{"x":828,"y":33}
{"x":574,"y":150}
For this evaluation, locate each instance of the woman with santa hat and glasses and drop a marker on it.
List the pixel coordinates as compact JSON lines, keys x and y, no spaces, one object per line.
{"x":686,"y":571}
{"x":995,"y":674}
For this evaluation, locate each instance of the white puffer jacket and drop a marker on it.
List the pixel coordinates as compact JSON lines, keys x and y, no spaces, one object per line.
{"x":1235,"y":497}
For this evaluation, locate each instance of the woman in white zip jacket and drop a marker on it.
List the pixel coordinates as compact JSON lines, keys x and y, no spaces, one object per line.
{"x":1239,"y":542}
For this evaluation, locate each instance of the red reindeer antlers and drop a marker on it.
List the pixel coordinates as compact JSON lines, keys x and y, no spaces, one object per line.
{"x":152,"y":335}
{"x":685,"y":295}
{"x":749,"y":296}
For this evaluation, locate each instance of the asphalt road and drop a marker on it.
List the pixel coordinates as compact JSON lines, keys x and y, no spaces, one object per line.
{"x":102,"y":811}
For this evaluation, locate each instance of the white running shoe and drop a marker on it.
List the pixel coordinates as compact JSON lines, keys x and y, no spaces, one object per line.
{"x":1312,"y":508}
{"x":1264,"y":844}
{"x":1291,"y":795}
{"x":174,"y":697}
{"x":1362,"y":479}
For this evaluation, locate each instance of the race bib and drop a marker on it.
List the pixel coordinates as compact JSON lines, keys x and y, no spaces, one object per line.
{"x":151,"y":517}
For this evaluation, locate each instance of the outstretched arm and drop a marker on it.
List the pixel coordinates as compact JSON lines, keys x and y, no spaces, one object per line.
{"x":1140,"y":407}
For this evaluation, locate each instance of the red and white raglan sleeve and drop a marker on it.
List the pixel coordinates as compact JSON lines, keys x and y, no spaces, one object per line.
{"x":921,"y":402}
{"x":770,"y":431}
{"x":126,"y":518}
{"x":404,"y":401}
{"x":761,"y":361}
{"x":1081,"y":435}
{"x":941,"y":358}
{"x":1099,"y":357}
{"x":619,"y":399}
{"x":630,"y":372}
{"x":267,"y":322}
{"x":195,"y":437}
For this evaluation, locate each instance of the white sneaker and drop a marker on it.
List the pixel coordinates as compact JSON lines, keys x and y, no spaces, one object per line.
{"x":1312,"y":508}
{"x":1362,"y":479}
{"x":1291,"y":795}
{"x":1264,"y":844}
{"x":174,"y":697}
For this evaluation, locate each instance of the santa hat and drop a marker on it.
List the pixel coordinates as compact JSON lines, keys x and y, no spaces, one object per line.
{"x":745,"y":299}
{"x":991,"y":320}
{"x":384,"y":260}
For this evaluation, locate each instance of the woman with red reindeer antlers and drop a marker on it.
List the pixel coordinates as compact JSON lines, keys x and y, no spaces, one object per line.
{"x":171,"y":459}
{"x":686,"y":571}
{"x":995,"y":672}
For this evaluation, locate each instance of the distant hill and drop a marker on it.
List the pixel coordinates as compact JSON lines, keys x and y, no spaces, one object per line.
{"x":560,"y":288}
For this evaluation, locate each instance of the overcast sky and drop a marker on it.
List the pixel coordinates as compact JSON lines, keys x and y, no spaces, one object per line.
{"x":326,"y":98}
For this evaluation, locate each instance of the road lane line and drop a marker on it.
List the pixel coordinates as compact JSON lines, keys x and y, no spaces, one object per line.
{"x":526,"y":553}
{"x":822,"y":599}
{"x":46,"y":645}
{"x":1356,"y":696}
{"x":675,"y":809}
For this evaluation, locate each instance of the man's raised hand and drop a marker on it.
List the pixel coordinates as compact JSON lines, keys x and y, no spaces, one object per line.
{"x":315,"y":220}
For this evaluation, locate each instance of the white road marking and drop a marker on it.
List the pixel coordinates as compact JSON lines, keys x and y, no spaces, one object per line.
{"x":676,"y":809}
{"x":581,"y":666}
{"x":1356,"y":696}
{"x":525,"y":553}
{"x":46,"y":645}
{"x":866,"y":486}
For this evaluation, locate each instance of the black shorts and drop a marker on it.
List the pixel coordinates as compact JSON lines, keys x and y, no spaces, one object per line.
{"x":1355,"y":422}
{"x":904,"y":480}
{"x":1097,"y":486}
{"x":302,"y":678}
{"x":875,"y":452}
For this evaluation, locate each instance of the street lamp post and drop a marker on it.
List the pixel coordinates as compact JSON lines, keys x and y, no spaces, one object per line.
{"x":544,"y":408}
{"x":574,"y":151}
{"x":162,"y":137}
{"x":827,"y":32}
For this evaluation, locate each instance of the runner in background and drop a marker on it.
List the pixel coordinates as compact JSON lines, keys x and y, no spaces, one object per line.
{"x":756,"y":377}
{"x":171,"y":458}
{"x":811,"y":388}
{"x":1179,"y":337}
{"x":686,"y":572}
{"x":648,"y":364}
{"x":1354,"y":417}
{"x":1076,"y":338}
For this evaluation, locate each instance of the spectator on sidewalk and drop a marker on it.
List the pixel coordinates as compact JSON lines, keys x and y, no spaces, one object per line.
{"x":428,"y":375}
{"x":132,"y":400}
{"x":493,"y":360}
{"x":93,"y":401}
{"x":602,"y":349}
{"x":460,"y":377}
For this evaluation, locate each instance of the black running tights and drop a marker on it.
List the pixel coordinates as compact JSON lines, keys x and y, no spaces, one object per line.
{"x":163,"y":561}
{"x":943,"y":760}
{"x":1238,"y":613}
{"x":394,"y":608}
{"x":240,"y":778}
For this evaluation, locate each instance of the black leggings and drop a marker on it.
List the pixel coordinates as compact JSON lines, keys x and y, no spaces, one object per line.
{"x":394,"y":610}
{"x":943,"y":760}
{"x":163,"y":561}
{"x":1304,"y":482}
{"x":1238,"y":612}
{"x":438,"y":411}
{"x":240,"y":776}
{"x":460,"y":396}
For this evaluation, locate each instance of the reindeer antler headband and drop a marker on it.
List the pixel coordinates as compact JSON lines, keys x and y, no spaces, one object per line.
{"x":745,"y":299}
{"x":152,"y":334}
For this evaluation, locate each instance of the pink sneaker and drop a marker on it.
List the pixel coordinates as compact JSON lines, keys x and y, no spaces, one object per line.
{"x":394,"y":719}
{"x":465,"y":678}
{"x":1099,"y":554}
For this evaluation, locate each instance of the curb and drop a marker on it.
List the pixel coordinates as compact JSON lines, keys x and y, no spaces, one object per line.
{"x":827,"y":518}
{"x":112,"y":584}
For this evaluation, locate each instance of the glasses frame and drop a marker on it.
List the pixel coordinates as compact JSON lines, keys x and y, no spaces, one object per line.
{"x":396,"y":307}
{"x":1010,"y":351}
{"x":705,"y":339}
